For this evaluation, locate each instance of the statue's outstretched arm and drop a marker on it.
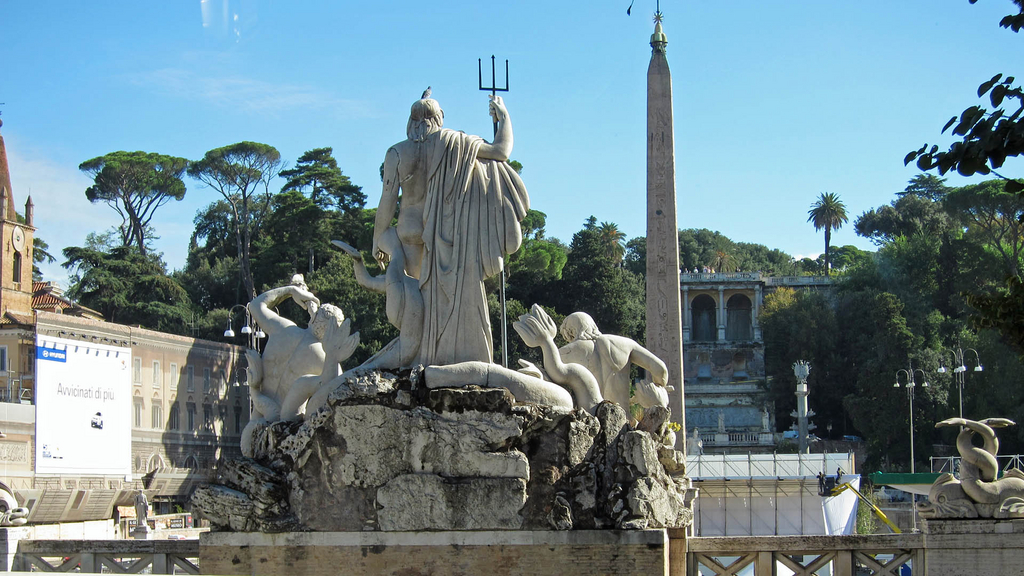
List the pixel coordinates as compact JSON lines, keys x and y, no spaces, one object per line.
{"x":262,"y":307}
{"x":501,"y":148}
{"x":388,"y":203}
{"x":645,"y":359}
{"x":363,"y":277}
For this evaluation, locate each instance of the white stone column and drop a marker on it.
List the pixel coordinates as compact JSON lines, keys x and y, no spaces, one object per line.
{"x":721,"y":313}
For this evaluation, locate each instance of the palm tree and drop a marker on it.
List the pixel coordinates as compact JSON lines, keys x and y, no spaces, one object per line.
{"x":722,"y":259}
{"x":614,"y":241}
{"x":827,"y":212}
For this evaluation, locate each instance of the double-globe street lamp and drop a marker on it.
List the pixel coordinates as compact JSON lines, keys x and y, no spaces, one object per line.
{"x":246,"y":327}
{"x":910,"y":385}
{"x":960,"y":370}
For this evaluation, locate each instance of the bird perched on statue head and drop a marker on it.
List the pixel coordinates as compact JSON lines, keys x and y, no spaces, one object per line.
{"x":426,"y":94}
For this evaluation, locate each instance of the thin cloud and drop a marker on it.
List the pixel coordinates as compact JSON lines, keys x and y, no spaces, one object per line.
{"x":245,"y":93}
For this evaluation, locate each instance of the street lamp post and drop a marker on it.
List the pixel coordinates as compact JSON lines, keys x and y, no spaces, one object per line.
{"x":910,"y":385}
{"x":960,"y":370}
{"x":246,"y":327}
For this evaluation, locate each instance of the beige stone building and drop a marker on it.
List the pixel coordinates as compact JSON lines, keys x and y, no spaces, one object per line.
{"x":186,"y":407}
{"x":724,"y":375}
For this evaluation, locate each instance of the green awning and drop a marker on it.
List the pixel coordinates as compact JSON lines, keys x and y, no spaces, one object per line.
{"x":918,"y":483}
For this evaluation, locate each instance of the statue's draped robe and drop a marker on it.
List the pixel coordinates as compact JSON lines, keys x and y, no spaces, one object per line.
{"x":470,"y":222}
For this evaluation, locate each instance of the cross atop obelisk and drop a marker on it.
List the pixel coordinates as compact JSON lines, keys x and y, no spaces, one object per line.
{"x":664,"y":312}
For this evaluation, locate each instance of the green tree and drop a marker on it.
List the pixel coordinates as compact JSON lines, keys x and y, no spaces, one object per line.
{"x":292,"y":232}
{"x":876,"y":343}
{"x":993,"y":216}
{"x":40,"y":254}
{"x":801,"y":325}
{"x":135,"y":185}
{"x":829,"y":213}
{"x":127,"y":287}
{"x":699,"y":248}
{"x":917,"y":210}
{"x":848,"y":257}
{"x":593,"y":283}
{"x":750,"y":257}
{"x":241,"y":173}
{"x":317,"y":173}
{"x":536,"y":266}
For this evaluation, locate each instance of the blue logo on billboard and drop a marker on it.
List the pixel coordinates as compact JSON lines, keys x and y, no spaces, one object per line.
{"x":51,"y":354}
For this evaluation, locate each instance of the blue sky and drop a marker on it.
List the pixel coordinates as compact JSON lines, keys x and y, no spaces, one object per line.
{"x":775,"y":101}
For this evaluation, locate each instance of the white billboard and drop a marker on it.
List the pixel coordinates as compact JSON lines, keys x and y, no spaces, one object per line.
{"x":83,"y":407}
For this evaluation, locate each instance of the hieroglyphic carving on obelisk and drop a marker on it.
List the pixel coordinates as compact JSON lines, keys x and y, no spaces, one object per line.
{"x":664,"y":312}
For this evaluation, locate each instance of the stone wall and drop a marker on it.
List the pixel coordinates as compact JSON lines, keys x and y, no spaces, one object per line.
{"x":966,"y":547}
{"x":450,"y":553}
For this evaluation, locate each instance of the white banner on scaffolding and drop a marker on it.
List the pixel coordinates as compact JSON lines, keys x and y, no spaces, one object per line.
{"x":83,"y":407}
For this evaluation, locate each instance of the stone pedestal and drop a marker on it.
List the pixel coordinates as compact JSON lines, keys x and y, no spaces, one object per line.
{"x":969,"y":547}
{"x":9,"y":538}
{"x":142,"y":532}
{"x":452,"y":553}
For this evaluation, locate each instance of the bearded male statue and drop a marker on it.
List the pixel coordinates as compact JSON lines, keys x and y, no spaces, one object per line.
{"x":461,"y":204}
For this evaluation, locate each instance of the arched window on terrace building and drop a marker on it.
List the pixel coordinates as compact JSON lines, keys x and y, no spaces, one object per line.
{"x":705,"y":326}
{"x":738,"y":325}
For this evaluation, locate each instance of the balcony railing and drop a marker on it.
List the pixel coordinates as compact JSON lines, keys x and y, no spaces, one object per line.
{"x":798,"y":281}
{"x":687,"y":277}
{"x":845,"y":555}
{"x":951,"y":464}
{"x":118,"y":556}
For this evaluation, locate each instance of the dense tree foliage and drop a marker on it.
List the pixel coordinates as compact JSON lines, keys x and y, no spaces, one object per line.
{"x":317,"y":173}
{"x":128,"y":287}
{"x":593,"y":282}
{"x":936,"y":283}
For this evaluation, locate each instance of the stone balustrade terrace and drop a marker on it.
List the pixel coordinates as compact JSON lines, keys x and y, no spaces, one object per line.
{"x":882,"y":554}
{"x":118,"y":556}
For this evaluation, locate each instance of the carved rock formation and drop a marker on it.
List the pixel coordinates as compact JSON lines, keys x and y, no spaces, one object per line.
{"x":388,"y":453}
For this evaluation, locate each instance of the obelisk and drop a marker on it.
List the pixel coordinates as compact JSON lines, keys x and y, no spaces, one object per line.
{"x":664,"y":313}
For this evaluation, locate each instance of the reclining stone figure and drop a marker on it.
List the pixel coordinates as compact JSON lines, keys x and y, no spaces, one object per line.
{"x":609,"y":358}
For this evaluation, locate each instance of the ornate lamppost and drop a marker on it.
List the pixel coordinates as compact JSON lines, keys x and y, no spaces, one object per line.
{"x":801,"y":369}
{"x":910,"y":385}
{"x":960,"y":370}
{"x":246,"y":327}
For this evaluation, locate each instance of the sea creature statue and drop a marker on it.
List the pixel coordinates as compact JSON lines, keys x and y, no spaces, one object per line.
{"x":296,"y":362}
{"x":978,"y":493}
{"x":550,"y":386}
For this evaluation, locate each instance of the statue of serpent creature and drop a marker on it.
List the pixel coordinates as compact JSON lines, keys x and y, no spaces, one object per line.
{"x":978,"y":492}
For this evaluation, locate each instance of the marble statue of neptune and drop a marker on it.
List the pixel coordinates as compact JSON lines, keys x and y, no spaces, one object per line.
{"x":461,"y":204}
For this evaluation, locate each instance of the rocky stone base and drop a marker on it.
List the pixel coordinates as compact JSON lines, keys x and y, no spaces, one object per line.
{"x":452,"y":553}
{"x":386,"y":453}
